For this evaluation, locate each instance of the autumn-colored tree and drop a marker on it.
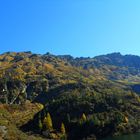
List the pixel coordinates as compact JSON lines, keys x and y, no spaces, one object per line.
{"x":126,"y":119}
{"x":83,"y":118}
{"x":48,"y":122}
{"x":63,"y":130}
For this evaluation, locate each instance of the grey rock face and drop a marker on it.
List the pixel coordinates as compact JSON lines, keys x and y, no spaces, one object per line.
{"x":3,"y":131}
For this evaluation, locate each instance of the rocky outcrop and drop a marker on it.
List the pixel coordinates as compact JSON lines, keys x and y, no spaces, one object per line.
{"x":12,"y":92}
{"x":3,"y":131}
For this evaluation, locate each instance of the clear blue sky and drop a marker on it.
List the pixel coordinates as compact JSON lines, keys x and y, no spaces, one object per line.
{"x":76,"y":27}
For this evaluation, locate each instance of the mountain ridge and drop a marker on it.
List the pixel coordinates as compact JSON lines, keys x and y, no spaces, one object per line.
{"x":96,"y":96}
